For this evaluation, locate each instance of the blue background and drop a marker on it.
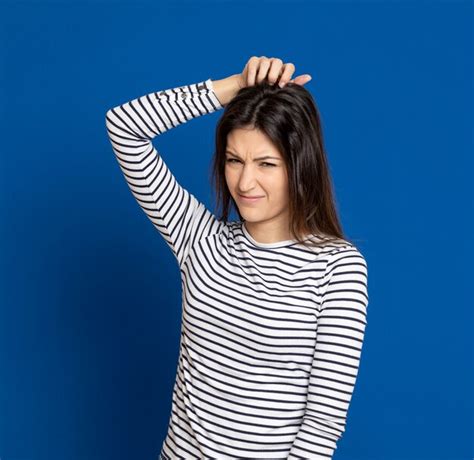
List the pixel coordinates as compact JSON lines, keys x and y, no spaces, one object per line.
{"x":89,"y":291}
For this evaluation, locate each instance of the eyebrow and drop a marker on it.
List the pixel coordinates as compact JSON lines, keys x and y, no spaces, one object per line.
{"x":266,"y":157}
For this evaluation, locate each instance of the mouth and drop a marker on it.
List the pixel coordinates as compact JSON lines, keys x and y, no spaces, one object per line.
{"x":249,"y":199}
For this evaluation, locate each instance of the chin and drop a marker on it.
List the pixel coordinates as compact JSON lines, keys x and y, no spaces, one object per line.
{"x":251,"y":219}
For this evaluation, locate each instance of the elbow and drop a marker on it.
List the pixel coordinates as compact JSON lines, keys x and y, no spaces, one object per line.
{"x":107,"y":119}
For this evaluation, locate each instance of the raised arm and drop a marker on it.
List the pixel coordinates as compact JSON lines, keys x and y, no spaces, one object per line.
{"x":176,"y":214}
{"x":227,"y":88}
{"x":340,"y":334}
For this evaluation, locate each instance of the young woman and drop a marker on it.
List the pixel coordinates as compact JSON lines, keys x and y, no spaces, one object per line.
{"x":274,"y":305}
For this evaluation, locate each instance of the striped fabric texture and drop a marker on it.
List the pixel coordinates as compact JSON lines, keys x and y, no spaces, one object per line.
{"x":271,"y":333}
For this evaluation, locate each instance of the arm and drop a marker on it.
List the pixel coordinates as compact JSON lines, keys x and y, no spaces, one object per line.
{"x":227,"y":88}
{"x":340,"y":333}
{"x":176,"y":214}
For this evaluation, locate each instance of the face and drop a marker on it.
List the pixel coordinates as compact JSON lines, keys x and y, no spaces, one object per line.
{"x":254,"y":167}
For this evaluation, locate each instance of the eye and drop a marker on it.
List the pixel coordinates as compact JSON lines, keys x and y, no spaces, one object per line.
{"x":264,"y":163}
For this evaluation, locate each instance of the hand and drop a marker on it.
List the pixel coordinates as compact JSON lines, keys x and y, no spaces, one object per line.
{"x":271,"y":69}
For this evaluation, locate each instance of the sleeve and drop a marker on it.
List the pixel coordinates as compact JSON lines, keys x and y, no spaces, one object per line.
{"x":179,"y":217}
{"x":340,"y":333}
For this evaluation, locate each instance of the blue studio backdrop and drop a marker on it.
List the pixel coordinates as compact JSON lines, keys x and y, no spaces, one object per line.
{"x":90,"y":295}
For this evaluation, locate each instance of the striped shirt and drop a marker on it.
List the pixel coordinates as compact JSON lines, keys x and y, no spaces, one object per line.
{"x":271,"y":333}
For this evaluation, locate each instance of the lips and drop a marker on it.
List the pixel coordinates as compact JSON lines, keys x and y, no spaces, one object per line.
{"x":246,"y":199}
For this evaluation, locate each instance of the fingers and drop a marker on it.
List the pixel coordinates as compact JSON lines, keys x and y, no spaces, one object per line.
{"x":276,"y":69}
{"x":273,"y":70}
{"x":302,"y":79}
{"x":288,"y":71}
{"x":263,"y":69}
{"x":252,"y":70}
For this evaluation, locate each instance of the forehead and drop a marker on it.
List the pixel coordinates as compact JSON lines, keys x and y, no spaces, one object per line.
{"x":250,"y":140}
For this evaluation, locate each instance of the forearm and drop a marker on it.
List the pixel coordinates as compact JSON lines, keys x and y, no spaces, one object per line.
{"x":152,"y":114}
{"x":226,"y":88}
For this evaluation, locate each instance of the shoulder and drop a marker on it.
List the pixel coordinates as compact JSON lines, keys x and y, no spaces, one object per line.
{"x":344,"y":282}
{"x":345,"y":253}
{"x":338,"y":251}
{"x":345,"y":264}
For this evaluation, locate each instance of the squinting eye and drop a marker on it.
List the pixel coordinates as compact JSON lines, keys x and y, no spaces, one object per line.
{"x":231,"y":160}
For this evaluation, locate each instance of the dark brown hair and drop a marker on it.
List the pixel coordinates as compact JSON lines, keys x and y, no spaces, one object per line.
{"x":289,"y":117}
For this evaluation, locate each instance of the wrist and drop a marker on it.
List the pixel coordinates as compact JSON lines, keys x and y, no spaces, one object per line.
{"x":226,"y":88}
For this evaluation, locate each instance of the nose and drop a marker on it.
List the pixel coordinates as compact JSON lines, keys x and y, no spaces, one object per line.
{"x":247,"y":180}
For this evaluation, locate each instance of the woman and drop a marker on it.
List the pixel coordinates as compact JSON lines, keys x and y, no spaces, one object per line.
{"x":274,"y":305}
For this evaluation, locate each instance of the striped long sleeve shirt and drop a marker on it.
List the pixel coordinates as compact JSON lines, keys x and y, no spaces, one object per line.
{"x":271,"y":333}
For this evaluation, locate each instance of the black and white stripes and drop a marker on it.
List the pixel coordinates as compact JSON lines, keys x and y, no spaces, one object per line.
{"x":271,"y":333}
{"x":176,"y":213}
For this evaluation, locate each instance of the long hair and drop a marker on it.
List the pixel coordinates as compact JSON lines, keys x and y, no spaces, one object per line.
{"x":289,"y":117}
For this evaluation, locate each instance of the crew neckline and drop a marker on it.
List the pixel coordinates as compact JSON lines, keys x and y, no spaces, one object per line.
{"x":276,"y":244}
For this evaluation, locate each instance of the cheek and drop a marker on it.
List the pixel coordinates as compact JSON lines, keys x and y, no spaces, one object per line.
{"x":280,"y":192}
{"x":279,"y":184}
{"x":230,"y":181}
{"x":228,"y":176}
